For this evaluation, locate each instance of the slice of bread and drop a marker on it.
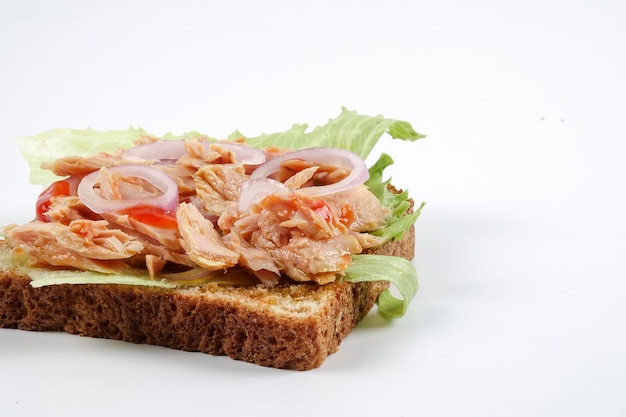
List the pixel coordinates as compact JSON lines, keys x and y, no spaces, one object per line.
{"x":292,"y":326}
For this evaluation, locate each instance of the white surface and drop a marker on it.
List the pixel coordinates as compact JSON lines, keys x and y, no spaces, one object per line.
{"x":520,"y":249}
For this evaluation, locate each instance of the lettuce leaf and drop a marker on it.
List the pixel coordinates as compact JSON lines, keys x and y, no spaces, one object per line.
{"x":57,"y":143}
{"x":352,"y":131}
{"x":397,"y":202}
{"x":42,"y":277}
{"x":399,"y":271}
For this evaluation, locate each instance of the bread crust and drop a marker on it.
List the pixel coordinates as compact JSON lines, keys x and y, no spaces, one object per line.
{"x":291,"y":326}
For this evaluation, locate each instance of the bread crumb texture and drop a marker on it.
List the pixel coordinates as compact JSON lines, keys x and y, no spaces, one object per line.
{"x":288,"y":327}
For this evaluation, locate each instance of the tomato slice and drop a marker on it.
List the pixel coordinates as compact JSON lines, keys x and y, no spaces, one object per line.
{"x":56,"y":189}
{"x":152,"y":216}
{"x":320,"y":207}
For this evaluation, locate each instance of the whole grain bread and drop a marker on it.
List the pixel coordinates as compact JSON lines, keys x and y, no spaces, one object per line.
{"x":291,"y":326}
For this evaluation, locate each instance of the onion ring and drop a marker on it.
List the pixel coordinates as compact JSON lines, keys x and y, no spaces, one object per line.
{"x":255,"y":190}
{"x":163,"y":150}
{"x":171,"y":150}
{"x":167,"y":200}
{"x":330,"y":156}
{"x":245,"y":154}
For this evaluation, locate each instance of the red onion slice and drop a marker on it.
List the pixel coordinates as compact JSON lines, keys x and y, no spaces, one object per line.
{"x":161,"y":150}
{"x":245,"y":154}
{"x":167,"y":200}
{"x":171,"y":150}
{"x":328,"y":156}
{"x":255,"y":190}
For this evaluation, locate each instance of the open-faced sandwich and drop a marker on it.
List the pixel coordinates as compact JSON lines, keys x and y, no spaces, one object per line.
{"x":267,"y":249}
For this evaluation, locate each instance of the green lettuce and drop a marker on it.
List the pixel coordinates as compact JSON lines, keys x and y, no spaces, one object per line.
{"x":57,"y":143}
{"x":352,"y":131}
{"x":397,"y":202}
{"x":53,"y":144}
{"x":399,"y":271}
{"x":43,"y":277}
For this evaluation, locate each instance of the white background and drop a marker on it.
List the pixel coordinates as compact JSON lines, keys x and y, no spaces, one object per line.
{"x":520,"y":249}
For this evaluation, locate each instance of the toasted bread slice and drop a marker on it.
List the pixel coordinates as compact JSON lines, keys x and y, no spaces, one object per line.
{"x":292,"y":326}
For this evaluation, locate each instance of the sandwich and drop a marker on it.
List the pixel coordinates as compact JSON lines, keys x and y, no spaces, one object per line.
{"x":268,"y":249}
